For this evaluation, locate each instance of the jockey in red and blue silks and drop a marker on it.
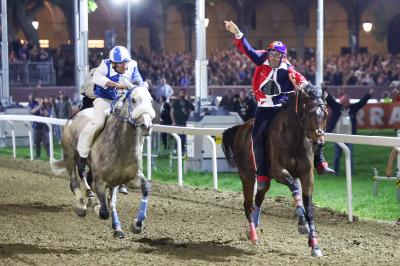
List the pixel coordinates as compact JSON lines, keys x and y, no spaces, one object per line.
{"x":274,"y":80}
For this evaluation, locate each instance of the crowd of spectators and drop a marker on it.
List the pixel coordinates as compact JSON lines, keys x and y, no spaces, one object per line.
{"x":58,"y":107}
{"x":225,"y":67}
{"x":20,"y":53}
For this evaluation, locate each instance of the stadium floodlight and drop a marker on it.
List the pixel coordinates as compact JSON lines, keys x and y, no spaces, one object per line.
{"x":35,"y":24}
{"x":367,"y":26}
{"x":128,"y":22}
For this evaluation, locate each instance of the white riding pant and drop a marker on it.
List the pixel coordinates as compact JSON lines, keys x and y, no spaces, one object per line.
{"x":86,"y":136}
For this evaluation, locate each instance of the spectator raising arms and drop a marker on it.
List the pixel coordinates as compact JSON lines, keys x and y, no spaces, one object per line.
{"x":343,"y":121}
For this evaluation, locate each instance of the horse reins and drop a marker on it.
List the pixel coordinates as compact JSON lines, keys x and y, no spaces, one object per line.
{"x":124,"y":119}
{"x":297,"y":113}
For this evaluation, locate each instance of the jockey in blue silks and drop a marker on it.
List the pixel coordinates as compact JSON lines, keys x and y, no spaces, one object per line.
{"x":108,"y":78}
{"x":274,"y":80}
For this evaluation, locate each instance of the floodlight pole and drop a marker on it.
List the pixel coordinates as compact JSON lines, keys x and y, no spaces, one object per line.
{"x":128,"y":37}
{"x":320,"y":44}
{"x":5,"y":86}
{"x":81,"y":41}
{"x":201,"y":61}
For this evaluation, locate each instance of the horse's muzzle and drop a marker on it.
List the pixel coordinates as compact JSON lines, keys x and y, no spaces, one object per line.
{"x":320,"y":137}
{"x":145,"y":123}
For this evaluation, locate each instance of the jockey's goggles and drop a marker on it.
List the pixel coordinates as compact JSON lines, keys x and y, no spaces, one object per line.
{"x":275,"y":54}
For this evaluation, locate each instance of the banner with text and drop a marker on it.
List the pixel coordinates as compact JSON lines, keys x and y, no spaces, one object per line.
{"x":379,"y":115}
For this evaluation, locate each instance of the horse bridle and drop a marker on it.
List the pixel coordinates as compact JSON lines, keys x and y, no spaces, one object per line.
{"x":318,"y":132}
{"x":118,"y":115}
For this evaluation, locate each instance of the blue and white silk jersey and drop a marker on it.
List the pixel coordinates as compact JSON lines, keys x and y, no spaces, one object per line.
{"x":271,"y":86}
{"x":105,"y":72}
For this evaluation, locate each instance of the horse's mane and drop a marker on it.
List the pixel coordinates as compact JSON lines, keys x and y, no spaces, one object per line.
{"x":309,"y":92}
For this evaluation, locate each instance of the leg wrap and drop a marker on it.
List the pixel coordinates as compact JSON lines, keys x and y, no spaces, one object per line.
{"x":263,"y":183}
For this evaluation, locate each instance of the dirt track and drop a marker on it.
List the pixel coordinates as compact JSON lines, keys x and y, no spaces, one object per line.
{"x":183,"y":227}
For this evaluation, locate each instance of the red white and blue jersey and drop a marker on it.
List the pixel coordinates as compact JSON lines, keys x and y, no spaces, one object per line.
{"x":265,"y":75}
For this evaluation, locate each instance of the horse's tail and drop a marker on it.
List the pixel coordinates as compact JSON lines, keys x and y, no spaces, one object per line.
{"x":58,"y":167}
{"x":228,"y":138}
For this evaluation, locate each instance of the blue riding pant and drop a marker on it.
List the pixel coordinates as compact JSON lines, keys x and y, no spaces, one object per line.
{"x":263,"y":118}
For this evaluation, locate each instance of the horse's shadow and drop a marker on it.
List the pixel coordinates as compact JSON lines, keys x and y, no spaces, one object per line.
{"x":30,"y":208}
{"x":210,"y":251}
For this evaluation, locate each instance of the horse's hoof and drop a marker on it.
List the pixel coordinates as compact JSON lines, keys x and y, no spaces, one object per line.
{"x":316,"y":252}
{"x":119,"y":234}
{"x":137,"y":227}
{"x":104,"y":215}
{"x":80,"y":212}
{"x":255,"y":242}
{"x":303,"y":229}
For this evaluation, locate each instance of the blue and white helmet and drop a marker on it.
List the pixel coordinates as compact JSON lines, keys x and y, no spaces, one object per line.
{"x":119,"y":54}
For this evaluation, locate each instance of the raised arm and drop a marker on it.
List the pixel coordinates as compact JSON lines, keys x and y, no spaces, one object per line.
{"x":360,"y":104}
{"x":258,"y":57}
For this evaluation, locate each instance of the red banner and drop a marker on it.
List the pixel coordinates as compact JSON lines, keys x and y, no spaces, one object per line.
{"x":379,"y":115}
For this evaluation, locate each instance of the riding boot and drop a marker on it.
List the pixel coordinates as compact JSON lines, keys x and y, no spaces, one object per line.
{"x":81,"y":165}
{"x":320,"y":163}
{"x":262,"y":167}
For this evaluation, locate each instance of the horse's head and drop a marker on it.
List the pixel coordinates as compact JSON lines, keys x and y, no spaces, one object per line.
{"x":312,"y":113}
{"x":138,"y":109}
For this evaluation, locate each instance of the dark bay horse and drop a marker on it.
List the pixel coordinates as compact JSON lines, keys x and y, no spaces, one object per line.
{"x":291,"y":140}
{"x":115,"y":158}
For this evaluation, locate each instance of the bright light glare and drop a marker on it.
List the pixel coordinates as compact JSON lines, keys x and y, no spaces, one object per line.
{"x":206,"y":21}
{"x":35,"y":24}
{"x":367,"y":26}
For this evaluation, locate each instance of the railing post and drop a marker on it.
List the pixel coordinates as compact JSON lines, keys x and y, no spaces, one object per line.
{"x":13,"y":139}
{"x":148,"y":142}
{"x":214,"y":162}
{"x":30,"y":140}
{"x":51,"y":146}
{"x":348,"y":181}
{"x":179,"y":152}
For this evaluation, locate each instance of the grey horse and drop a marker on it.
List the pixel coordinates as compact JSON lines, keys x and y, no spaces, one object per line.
{"x":115,"y":158}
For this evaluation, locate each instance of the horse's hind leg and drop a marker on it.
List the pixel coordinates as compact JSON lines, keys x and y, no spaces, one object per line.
{"x":80,"y":206}
{"x":116,"y":225}
{"x":248,"y":194}
{"x":260,"y":196}
{"x":138,"y":224}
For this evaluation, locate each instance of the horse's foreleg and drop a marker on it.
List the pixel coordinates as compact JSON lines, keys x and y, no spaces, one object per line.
{"x":101,"y":195}
{"x":300,"y":212}
{"x":138,"y":224}
{"x":116,"y":225}
{"x":260,"y":196}
{"x":312,"y":235}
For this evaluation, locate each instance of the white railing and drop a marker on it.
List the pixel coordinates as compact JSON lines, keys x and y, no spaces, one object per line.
{"x":341,"y":139}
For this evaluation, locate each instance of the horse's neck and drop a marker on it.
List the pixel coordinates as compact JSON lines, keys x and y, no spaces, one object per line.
{"x":123,"y":136}
{"x":290,"y":118}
